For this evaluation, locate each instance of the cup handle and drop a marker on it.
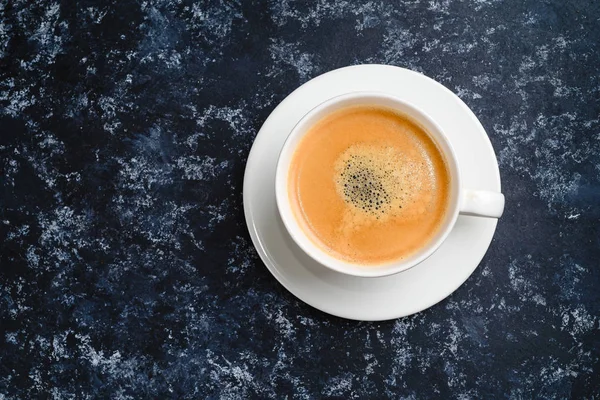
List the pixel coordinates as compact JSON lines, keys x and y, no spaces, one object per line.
{"x":481,"y":203}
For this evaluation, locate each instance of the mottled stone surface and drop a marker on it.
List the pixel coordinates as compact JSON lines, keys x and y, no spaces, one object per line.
{"x":126,"y":270}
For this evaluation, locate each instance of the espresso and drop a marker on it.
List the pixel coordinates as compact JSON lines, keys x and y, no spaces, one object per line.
{"x":369,"y":185}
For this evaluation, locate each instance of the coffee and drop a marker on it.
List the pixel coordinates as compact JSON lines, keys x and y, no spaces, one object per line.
{"x":369,"y":185}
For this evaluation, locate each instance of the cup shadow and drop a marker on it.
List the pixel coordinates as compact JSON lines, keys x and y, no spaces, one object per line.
{"x":317,"y":271}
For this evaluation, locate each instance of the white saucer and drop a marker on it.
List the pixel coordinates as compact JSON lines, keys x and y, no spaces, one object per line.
{"x":371,"y":299}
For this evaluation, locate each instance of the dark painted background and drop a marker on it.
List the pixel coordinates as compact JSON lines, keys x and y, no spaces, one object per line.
{"x":126,"y":270}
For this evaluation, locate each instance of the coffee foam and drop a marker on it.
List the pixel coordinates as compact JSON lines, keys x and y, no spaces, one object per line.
{"x":369,"y":185}
{"x":379,"y":182}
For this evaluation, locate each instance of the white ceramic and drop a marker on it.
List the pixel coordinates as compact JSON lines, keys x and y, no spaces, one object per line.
{"x":487,"y":204}
{"x":396,"y":295}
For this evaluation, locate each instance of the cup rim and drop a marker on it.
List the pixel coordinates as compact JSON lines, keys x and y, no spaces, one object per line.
{"x":308,"y":245}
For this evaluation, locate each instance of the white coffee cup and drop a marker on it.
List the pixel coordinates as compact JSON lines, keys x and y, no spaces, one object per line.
{"x":462,"y":200}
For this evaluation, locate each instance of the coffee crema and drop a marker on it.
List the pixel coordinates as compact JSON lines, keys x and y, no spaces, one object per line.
{"x":368,"y":185}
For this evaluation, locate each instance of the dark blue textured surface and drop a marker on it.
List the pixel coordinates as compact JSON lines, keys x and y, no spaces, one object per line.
{"x":125,"y":267}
